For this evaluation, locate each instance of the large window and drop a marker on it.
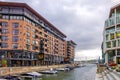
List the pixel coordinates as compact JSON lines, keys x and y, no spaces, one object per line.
{"x":27,"y":47}
{"x":15,"y":32}
{"x":108,"y":44}
{"x":112,"y":36}
{"x":5,"y":17}
{"x":118,"y":52}
{"x":118,"y":19}
{"x":118,"y":34}
{"x":112,"y":21}
{"x":113,"y":43}
{"x":28,"y":41}
{"x":27,"y":34}
{"x":4,"y":38}
{"x":110,"y":30}
{"x":27,"y":28}
{"x":33,"y":48}
{"x":16,"y":10}
{"x":119,"y":43}
{"x":4,"y":24}
{"x":4,"y":31}
{"x":4,"y":45}
{"x":15,"y":39}
{"x":118,"y":28}
{"x":107,"y":36}
{"x":15,"y":46}
{"x":15,"y":25}
{"x":16,"y":17}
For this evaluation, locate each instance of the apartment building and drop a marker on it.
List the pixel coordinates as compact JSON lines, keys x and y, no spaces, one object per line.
{"x":27,"y":38}
{"x":70,"y":51}
{"x":111,"y":36}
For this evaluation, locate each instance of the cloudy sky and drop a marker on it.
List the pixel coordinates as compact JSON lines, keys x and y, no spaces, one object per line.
{"x":81,"y":20}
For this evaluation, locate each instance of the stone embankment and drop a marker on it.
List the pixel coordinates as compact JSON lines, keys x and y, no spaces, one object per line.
{"x":19,"y":70}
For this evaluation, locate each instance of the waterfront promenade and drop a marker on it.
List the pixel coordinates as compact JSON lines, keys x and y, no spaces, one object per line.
{"x":107,"y":74}
{"x":19,"y":70}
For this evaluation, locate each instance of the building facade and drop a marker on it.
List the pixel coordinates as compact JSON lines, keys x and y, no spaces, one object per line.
{"x":70,"y":51}
{"x":28,"y":39}
{"x":111,"y":42}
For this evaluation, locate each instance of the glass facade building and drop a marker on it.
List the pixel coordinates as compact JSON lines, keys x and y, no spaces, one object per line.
{"x":111,"y":36}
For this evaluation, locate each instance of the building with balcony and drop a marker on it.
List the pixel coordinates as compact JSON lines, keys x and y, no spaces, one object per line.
{"x":27,"y":38}
{"x":111,"y":36}
{"x":70,"y":52}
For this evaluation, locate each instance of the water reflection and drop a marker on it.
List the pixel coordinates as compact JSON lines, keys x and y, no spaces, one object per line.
{"x":84,"y":73}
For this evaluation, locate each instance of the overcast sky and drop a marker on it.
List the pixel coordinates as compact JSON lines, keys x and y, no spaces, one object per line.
{"x":81,"y":20}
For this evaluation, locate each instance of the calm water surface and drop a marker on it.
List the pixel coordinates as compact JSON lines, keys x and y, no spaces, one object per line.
{"x":84,"y":73}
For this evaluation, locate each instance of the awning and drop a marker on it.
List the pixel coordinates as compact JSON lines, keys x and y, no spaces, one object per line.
{"x":34,"y":74}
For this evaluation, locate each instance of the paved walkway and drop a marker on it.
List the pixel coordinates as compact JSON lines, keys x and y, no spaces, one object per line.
{"x":108,"y":75}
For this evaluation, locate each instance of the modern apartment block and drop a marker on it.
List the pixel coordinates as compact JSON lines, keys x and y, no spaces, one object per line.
{"x":27,"y":38}
{"x":111,"y":42}
{"x":70,"y":51}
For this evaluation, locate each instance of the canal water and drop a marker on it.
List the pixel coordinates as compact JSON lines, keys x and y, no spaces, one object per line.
{"x":83,"y":73}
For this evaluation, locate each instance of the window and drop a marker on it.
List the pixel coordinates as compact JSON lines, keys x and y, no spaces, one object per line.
{"x":33,"y":36}
{"x":16,"y":10}
{"x":15,"y":25}
{"x":119,"y":43}
{"x":27,"y":28}
{"x":107,"y":37}
{"x":4,"y":31}
{"x":15,"y":46}
{"x":4,"y":24}
{"x":27,"y":47}
{"x":15,"y":32}
{"x":118,"y":52}
{"x":4,"y":45}
{"x":112,"y":21}
{"x":118,"y":34}
{"x":110,"y":30}
{"x":5,"y":17}
{"x":34,"y":42}
{"x":112,"y":36}
{"x":5,"y":10}
{"x":118,"y":28}
{"x":4,"y":38}
{"x":16,"y":18}
{"x":15,"y":39}
{"x":28,"y":41}
{"x":27,"y":34}
{"x":108,"y":44}
{"x":33,"y":48}
{"x":33,"y":30}
{"x":113,"y":43}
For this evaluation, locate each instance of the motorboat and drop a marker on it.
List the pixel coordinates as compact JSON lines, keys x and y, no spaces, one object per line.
{"x":51,"y":71}
{"x":34,"y":74}
{"x":62,"y":69}
{"x":9,"y":77}
{"x":31,"y":76}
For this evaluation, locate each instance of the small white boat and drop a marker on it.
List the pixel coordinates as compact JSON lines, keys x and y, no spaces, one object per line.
{"x":62,"y":69}
{"x":51,"y":71}
{"x":31,"y":76}
{"x":34,"y":74}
